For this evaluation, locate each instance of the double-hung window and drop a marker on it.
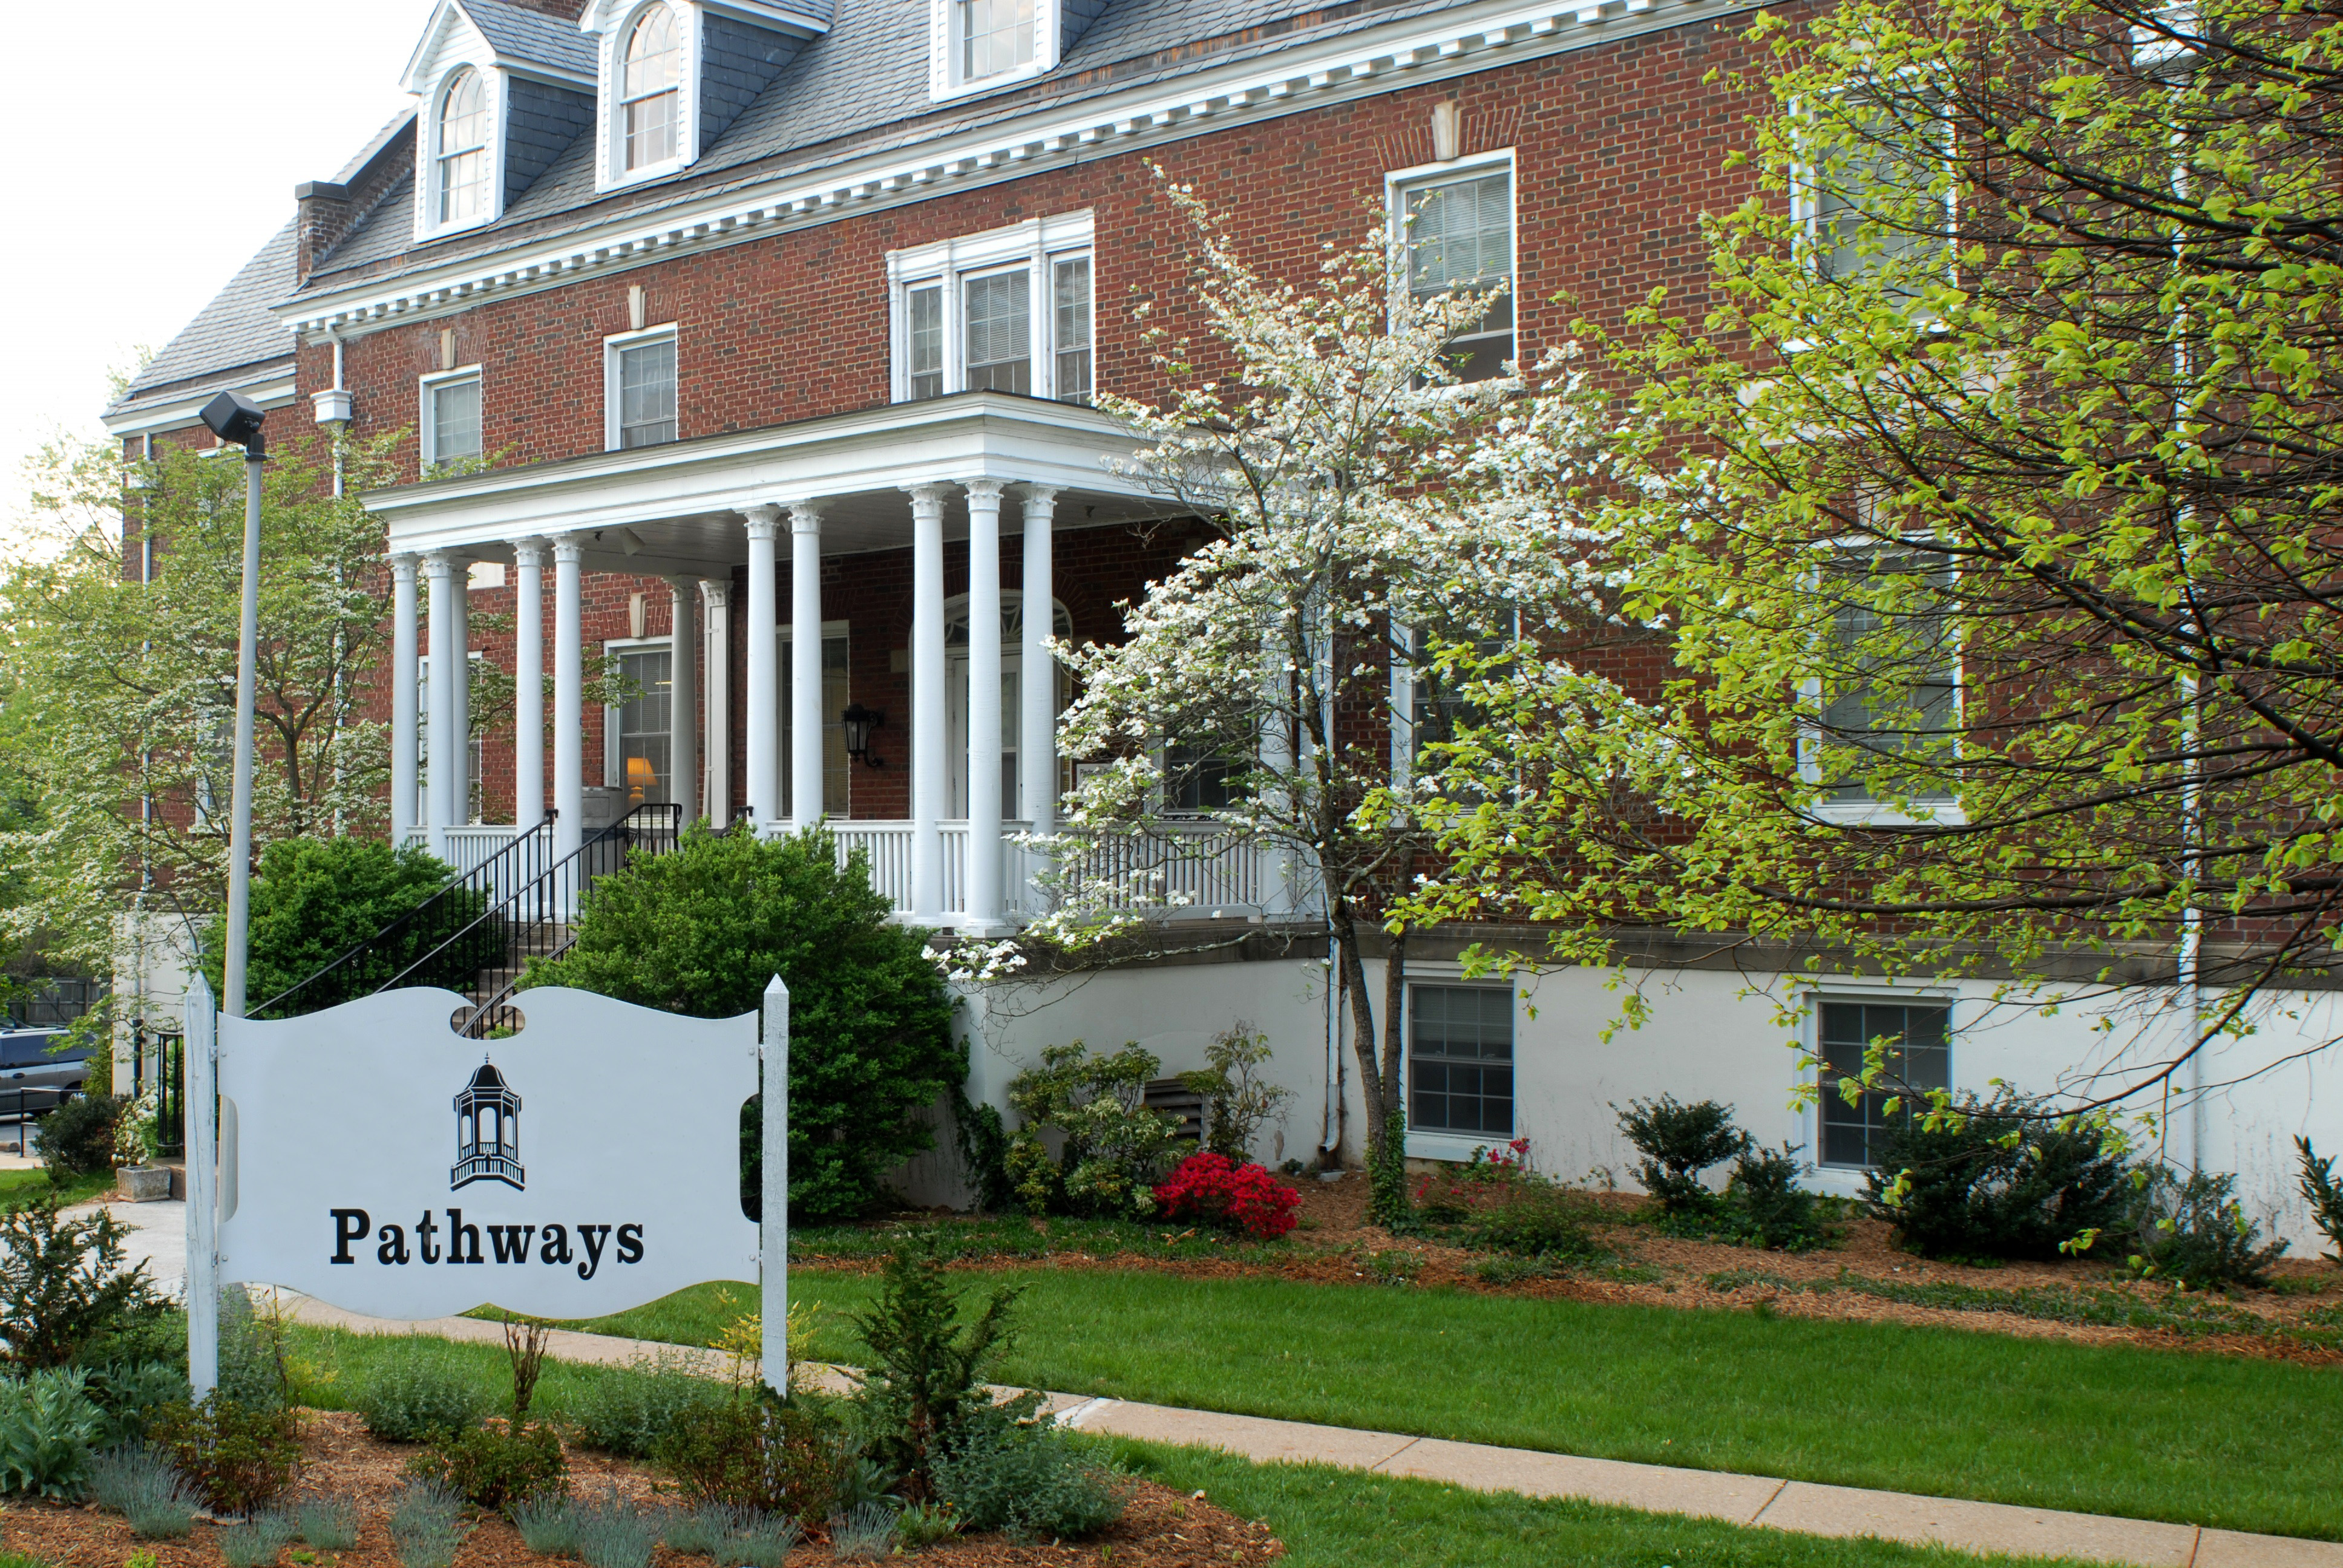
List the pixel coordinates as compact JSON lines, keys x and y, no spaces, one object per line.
{"x":462,"y":168}
{"x":451,"y":417}
{"x":641,"y":729}
{"x":649,"y":97}
{"x":1006,"y":311}
{"x":1460,"y":1061}
{"x":1876,"y":188}
{"x":1916,"y":1041}
{"x":996,"y":36}
{"x":1455,"y":232}
{"x":1887,"y":694}
{"x":639,"y":383}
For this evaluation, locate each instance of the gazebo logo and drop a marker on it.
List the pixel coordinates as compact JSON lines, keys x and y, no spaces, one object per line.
{"x":487,"y":1133}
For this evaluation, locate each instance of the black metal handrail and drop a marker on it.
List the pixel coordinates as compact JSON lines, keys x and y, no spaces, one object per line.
{"x":536,"y":921}
{"x":456,"y":907}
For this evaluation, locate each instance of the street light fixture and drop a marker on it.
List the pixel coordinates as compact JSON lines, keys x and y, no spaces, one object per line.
{"x":237,"y":419}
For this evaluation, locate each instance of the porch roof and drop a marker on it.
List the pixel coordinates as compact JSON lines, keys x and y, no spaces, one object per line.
{"x":675,"y":509}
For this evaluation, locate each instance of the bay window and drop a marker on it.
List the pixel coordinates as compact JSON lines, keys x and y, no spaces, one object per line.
{"x":1009,"y":310}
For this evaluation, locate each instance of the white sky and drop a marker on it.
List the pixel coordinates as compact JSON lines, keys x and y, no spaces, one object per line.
{"x":171,"y":138}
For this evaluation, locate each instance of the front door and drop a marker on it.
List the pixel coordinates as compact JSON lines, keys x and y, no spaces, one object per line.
{"x":956,"y":741}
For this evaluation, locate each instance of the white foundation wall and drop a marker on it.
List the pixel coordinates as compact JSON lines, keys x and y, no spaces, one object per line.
{"x":1711,"y":1035}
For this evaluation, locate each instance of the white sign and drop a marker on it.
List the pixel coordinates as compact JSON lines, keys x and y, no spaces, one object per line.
{"x":372,"y":1158}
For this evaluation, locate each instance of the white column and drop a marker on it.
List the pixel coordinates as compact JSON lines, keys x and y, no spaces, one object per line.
{"x":718,"y":595}
{"x":683,"y":696}
{"x":764,"y":668}
{"x":529,"y":684}
{"x":459,"y":583}
{"x":403,"y":704}
{"x":1037,"y":688}
{"x":929,"y":782}
{"x":438,"y":573}
{"x":984,"y":703}
{"x":568,"y":703}
{"x":806,"y":716}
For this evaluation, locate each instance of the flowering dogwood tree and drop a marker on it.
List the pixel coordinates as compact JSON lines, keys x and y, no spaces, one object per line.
{"x":1273,"y":683}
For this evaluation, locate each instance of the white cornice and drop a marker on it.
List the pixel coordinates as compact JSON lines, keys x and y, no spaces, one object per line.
{"x":1293,"y":79}
{"x":276,"y":392}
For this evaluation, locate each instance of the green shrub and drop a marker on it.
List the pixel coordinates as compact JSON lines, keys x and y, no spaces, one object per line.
{"x":1495,"y":1203}
{"x":252,"y":1365}
{"x":702,"y":930}
{"x":2324,"y":1194}
{"x":782,"y":1460}
{"x":1764,"y":1201}
{"x":63,"y":1288}
{"x":76,"y":1139}
{"x":495,"y":1464}
{"x":139,"y":1482}
{"x":1023,"y":1477}
{"x":2195,"y":1233}
{"x":1238,"y":1101}
{"x":632,"y":1416}
{"x":925,"y":1371}
{"x":255,"y":1542}
{"x":48,"y":1424}
{"x":127,"y":1394}
{"x":1115,"y":1150}
{"x":238,"y":1459}
{"x":1999,"y":1179}
{"x":1679,"y":1141}
{"x":983,"y":1154}
{"x":313,"y":899}
{"x":417,"y":1397}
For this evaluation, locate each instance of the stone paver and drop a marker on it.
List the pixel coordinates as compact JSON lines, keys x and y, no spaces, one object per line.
{"x":1800,"y":1506}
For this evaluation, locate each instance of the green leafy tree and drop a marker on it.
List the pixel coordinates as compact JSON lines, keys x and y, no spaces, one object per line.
{"x":702,"y":930}
{"x":1985,"y":525}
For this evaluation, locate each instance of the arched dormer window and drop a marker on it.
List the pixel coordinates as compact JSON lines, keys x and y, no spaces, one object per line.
{"x":649,"y":92}
{"x":462,"y":166}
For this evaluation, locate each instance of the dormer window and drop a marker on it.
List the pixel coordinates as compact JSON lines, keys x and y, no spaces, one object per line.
{"x":996,"y":36}
{"x":980,"y":45}
{"x":462,"y":171}
{"x":649,"y":95}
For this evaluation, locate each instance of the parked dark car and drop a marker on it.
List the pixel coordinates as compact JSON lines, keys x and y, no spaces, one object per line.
{"x":34,"y":1076}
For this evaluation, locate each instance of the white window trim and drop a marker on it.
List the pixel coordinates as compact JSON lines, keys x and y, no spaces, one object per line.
{"x":609,"y":146}
{"x":1872,"y":813}
{"x":427,"y":225}
{"x":611,"y":347}
{"x":945,"y":82}
{"x":1456,"y":1146}
{"x":611,"y":647}
{"x":1848,"y":1181}
{"x":1035,"y":245}
{"x":1398,"y":183}
{"x":428,"y":423}
{"x":1807,"y":213}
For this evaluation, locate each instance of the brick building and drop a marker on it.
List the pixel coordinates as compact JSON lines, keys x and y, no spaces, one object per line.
{"x":750,"y":344}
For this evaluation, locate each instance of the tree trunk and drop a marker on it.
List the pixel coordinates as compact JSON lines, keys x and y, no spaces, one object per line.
{"x":1371,"y":1087}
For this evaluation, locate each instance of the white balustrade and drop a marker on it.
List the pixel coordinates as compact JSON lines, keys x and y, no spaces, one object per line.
{"x":472,"y":846}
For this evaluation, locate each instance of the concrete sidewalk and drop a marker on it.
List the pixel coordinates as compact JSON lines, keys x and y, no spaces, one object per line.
{"x":1759,"y":1500}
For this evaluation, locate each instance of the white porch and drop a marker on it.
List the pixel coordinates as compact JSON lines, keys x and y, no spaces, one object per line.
{"x":974,"y":467}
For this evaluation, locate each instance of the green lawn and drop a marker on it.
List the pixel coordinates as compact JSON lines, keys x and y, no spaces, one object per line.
{"x":2238,"y":1443}
{"x":18,"y":1187}
{"x":1323,"y":1514}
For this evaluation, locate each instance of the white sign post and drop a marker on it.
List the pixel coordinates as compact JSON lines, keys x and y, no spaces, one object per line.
{"x":372,"y":1158}
{"x":773,"y":1142}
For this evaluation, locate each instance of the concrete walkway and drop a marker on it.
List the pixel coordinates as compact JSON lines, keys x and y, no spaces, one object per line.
{"x":1796,"y":1505}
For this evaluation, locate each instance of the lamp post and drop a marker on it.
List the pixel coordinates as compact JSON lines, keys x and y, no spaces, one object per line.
{"x":235,"y":418}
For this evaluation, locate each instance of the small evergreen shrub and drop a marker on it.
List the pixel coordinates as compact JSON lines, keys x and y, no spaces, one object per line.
{"x":1495,"y":1203}
{"x":1765,"y":1202}
{"x":314,"y":899}
{"x":328,"y":1523}
{"x":2195,"y":1233}
{"x":614,"y":1533}
{"x":2000,"y":1178}
{"x":239,"y":1459}
{"x":495,"y":1464}
{"x":255,"y":1542}
{"x":427,"y":1526}
{"x":76,"y":1139}
{"x":924,"y":1374}
{"x":1022,"y":1476}
{"x":48,"y":1424}
{"x":2324,"y":1194}
{"x":63,"y":1286}
{"x":1116,"y":1149}
{"x":702,"y":930}
{"x":632,"y":1416}
{"x":768,"y":1458}
{"x":1677,"y":1142}
{"x":417,"y":1397}
{"x":252,"y":1362}
{"x":1209,"y":1189}
{"x":547,"y":1525}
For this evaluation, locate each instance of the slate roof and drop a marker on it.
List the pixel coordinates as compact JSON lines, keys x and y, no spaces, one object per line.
{"x":864,"y":85}
{"x":233,"y":340}
{"x":517,"y":33}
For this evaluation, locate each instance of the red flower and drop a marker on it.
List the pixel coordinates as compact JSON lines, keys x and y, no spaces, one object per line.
{"x":1209,"y":1188}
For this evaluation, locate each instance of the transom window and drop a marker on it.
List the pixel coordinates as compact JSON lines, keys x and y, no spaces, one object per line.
{"x":642,"y":390}
{"x":651,"y":75}
{"x":1919,"y":1056}
{"x":463,"y":163}
{"x":1458,"y":234}
{"x":996,"y":36}
{"x":1460,"y":1061}
{"x":1007,"y":311}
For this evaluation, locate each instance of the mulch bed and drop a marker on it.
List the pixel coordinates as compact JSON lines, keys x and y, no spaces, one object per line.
{"x":1160,"y":1529}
